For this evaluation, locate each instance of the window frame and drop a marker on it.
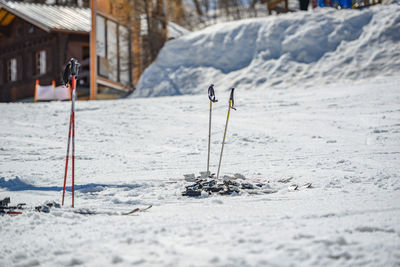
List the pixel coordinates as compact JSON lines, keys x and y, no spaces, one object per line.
{"x":105,"y":53}
{"x":12,"y":70}
{"x":41,"y":62}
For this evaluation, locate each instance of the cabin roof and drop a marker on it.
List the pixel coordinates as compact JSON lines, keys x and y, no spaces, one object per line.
{"x":51,"y":17}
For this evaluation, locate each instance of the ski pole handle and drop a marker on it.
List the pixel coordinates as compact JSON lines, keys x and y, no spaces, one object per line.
{"x":211,"y":94}
{"x":231,"y":101}
{"x":72,"y":69}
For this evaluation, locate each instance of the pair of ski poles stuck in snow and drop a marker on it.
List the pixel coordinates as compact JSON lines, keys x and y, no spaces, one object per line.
{"x":70,"y":76}
{"x":211,"y":96}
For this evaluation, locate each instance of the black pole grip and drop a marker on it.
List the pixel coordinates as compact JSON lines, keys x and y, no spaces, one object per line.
{"x":211,"y":93}
{"x":72,"y":69}
{"x":231,"y":99}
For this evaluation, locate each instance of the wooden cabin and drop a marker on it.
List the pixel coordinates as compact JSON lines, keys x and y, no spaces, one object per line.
{"x":38,"y":40}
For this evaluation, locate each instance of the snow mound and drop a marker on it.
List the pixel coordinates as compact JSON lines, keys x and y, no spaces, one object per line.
{"x":175,"y":30}
{"x":298,"y":49}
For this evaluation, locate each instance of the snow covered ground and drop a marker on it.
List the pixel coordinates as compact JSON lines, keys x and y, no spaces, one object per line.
{"x":343,"y":137}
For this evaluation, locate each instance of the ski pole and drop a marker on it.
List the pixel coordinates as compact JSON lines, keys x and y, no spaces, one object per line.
{"x":73,"y":137}
{"x":66,"y":161}
{"x":211,"y":96}
{"x":231,"y":103}
{"x":70,"y":77}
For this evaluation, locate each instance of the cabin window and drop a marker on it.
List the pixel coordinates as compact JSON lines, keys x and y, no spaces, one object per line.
{"x":31,"y":28}
{"x":112,"y":50}
{"x":101,"y":36}
{"x":12,"y":70}
{"x":124,"y":75}
{"x":40,"y":62}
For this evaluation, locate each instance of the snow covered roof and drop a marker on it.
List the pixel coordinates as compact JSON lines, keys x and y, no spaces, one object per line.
{"x":51,"y":17}
{"x":64,"y":18}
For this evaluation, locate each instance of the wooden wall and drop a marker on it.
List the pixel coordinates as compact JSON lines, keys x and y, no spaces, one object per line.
{"x":144,"y":46}
{"x":21,"y":41}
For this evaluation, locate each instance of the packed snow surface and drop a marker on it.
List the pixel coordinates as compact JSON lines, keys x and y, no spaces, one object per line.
{"x":344,"y":139}
{"x":293,"y":125}
{"x":299,"y":49}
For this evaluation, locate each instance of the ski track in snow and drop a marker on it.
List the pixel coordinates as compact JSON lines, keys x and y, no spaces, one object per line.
{"x":344,"y":139}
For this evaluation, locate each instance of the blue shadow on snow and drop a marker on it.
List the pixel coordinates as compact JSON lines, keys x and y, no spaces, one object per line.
{"x":17,"y":184}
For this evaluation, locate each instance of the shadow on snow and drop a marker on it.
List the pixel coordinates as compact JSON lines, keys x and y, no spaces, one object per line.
{"x":17,"y":184}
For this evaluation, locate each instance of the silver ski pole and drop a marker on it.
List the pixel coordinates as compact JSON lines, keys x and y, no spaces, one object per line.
{"x":231,"y":103}
{"x":211,"y":96}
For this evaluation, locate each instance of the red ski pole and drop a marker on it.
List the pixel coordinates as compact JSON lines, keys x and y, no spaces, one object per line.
{"x":73,"y":137}
{"x":70,"y":74}
{"x":66,"y":161}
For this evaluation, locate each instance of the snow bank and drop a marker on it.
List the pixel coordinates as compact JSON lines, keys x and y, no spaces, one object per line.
{"x":176,"y":31}
{"x":298,"y":49}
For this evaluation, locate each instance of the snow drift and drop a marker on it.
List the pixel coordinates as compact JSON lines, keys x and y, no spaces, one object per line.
{"x":298,"y":49}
